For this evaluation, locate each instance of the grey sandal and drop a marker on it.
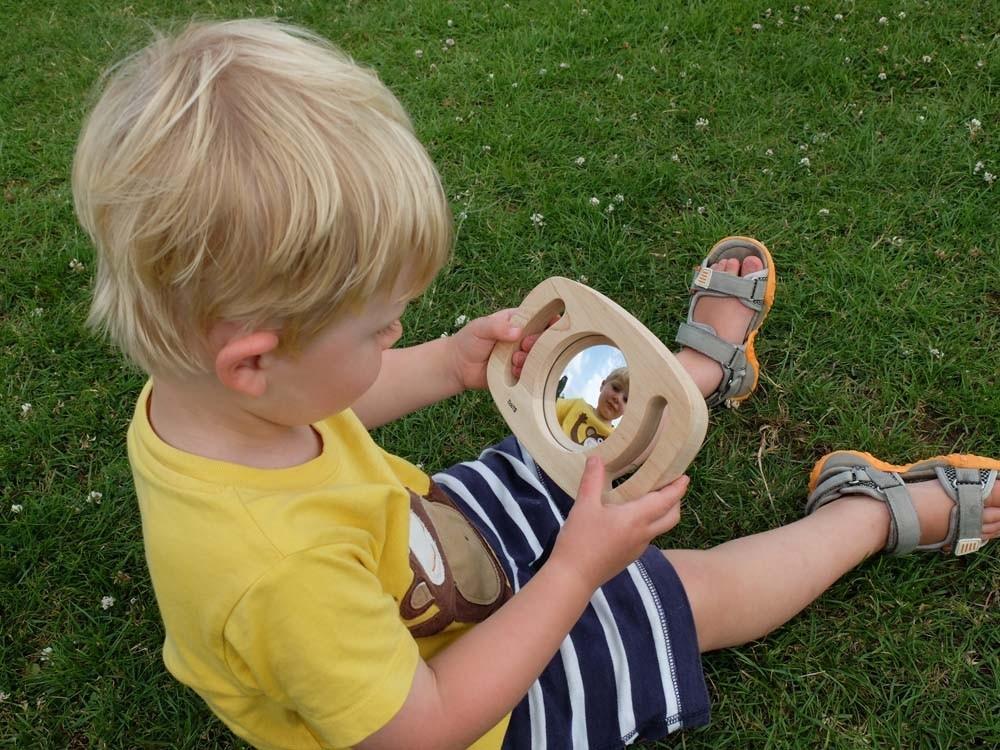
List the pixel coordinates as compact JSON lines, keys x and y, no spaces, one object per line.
{"x":741,"y":370}
{"x":968,"y":481}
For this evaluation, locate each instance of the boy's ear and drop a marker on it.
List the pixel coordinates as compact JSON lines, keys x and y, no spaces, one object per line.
{"x":238,"y":362}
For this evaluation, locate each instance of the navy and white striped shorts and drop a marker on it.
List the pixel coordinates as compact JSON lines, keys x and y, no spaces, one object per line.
{"x":630,"y":668}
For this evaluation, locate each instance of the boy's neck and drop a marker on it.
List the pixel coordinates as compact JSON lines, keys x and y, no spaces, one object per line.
{"x":200,"y":417}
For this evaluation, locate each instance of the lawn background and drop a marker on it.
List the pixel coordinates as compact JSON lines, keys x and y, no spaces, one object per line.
{"x":848,"y":144}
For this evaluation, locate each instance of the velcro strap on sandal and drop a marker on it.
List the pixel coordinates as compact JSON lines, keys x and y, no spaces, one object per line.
{"x":904,"y":516}
{"x":969,"y":504}
{"x":733,"y":359}
{"x":904,"y":529}
{"x":749,"y":290}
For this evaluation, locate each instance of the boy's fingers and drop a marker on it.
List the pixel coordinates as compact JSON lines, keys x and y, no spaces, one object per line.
{"x":665,"y":500}
{"x":592,"y":481}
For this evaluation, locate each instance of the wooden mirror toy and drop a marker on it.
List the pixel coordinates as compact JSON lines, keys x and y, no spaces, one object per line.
{"x":658,"y":386}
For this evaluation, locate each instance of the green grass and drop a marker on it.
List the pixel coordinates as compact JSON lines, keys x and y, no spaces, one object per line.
{"x":884,"y":337}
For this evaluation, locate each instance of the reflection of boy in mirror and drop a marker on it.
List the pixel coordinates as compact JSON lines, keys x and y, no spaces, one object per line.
{"x":589,"y":426}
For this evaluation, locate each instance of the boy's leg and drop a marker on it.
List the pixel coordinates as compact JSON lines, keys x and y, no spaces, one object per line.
{"x":745,"y":588}
{"x":728,"y":316}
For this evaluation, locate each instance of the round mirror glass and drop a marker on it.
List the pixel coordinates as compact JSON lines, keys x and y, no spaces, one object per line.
{"x":591,"y":395}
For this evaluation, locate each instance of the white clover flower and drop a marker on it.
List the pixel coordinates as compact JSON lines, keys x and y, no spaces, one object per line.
{"x":702,"y":210}
{"x":443,"y":335}
{"x":514,"y":85}
{"x":107,"y":602}
{"x":449,"y":42}
{"x":927,"y":59}
{"x":701,"y":123}
{"x":881,"y":76}
{"x":765,"y":170}
{"x":619,"y":198}
{"x":896,"y":241}
{"x":975,"y":170}
{"x":767,"y":13}
{"x":847,"y":61}
{"x":25,"y":409}
{"x":980,"y":63}
{"x":619,"y":77}
{"x":418,"y":53}
{"x":920,"y":118}
{"x":450,"y":23}
{"x":76,"y":266}
{"x":583,"y":279}
{"x":769,"y":152}
{"x":757,"y":27}
{"x":936,"y":353}
{"x":974,"y":126}
{"x":989,"y":178}
{"x":490,"y":76}
{"x":584,"y":12}
{"x":37,"y":312}
{"x":883,"y":49}
{"x":463,"y":215}
{"x":4,"y":696}
{"x":580,"y":161}
{"x":538,"y":220}
{"x":595,"y":201}
{"x":803,"y":147}
{"x":780,"y":22}
{"x":804,"y":161}
{"x":94,"y":498}
{"x":883,"y":21}
{"x":675,"y":157}
{"x":609,"y":208}
{"x":838,"y":17}
{"x":16,"y":508}
{"x":46,"y":654}
{"x":487,"y":148}
{"x":461,"y":320}
{"x":902,"y":14}
{"x":563,"y":66}
{"x":824,"y":212}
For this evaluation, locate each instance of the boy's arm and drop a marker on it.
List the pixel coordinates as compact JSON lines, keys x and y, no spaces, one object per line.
{"x":410,"y":379}
{"x":417,"y":376}
{"x":469,"y":686}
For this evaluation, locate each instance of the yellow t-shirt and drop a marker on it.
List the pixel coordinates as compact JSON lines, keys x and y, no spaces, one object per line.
{"x":296,"y":602}
{"x":580,"y":422}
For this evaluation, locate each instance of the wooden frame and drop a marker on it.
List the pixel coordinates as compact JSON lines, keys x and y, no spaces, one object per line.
{"x":657,"y":381}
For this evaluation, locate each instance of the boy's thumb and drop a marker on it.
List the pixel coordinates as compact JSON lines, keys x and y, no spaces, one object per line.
{"x":592,"y":481}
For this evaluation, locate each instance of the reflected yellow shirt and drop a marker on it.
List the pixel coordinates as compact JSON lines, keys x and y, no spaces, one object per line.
{"x":580,"y":422}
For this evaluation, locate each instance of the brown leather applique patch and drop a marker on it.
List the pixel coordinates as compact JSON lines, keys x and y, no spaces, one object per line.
{"x":455,"y":573}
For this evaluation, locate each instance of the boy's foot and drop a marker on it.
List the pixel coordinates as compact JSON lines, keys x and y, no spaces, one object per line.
{"x":728,"y":316}
{"x":717,"y":339}
{"x":951,"y":503}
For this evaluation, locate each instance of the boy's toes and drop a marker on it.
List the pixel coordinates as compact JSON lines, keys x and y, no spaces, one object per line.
{"x":751,"y":264}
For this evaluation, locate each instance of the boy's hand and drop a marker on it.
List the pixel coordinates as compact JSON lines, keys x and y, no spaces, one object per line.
{"x":599,"y":541}
{"x":471,"y":347}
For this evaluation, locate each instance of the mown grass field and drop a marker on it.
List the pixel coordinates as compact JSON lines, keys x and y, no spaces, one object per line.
{"x":859,"y":140}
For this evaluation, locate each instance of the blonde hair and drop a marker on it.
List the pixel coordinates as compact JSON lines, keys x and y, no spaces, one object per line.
{"x":249,"y":171}
{"x":619,"y":377}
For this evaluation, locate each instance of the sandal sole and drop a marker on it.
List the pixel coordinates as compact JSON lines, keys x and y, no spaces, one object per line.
{"x":718,"y":251}
{"x":956,"y":460}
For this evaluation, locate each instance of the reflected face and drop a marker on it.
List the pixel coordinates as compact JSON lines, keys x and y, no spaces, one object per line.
{"x":611,"y":401}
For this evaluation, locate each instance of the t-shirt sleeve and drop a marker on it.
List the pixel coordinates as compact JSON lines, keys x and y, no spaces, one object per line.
{"x":320,"y":636}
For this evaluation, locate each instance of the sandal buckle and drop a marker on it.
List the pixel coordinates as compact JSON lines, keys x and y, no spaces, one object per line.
{"x":704,"y":278}
{"x":967,"y":546}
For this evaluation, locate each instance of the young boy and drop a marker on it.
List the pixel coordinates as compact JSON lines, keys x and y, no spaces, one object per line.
{"x":262,"y":212}
{"x":589,"y":426}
